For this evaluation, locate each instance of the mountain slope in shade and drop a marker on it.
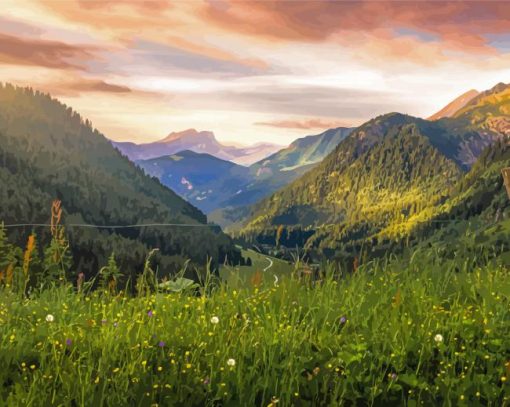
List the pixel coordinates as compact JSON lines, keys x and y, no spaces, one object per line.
{"x":48,"y":151}
{"x":383,"y":178}
{"x":202,"y":179}
{"x":453,"y":107}
{"x":199,"y":142}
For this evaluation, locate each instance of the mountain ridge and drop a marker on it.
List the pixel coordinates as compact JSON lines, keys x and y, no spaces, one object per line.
{"x":352,"y":195}
{"x":48,"y":151}
{"x":198,"y":141}
{"x":454,"y":106}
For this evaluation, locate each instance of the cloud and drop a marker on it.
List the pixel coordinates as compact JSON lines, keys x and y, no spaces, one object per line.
{"x":309,"y":100}
{"x":97,"y":86}
{"x":48,"y":54}
{"x":456,"y":24}
{"x":149,"y":6}
{"x":165,"y":58}
{"x":305,"y":124}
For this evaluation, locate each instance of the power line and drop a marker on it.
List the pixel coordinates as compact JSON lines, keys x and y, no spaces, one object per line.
{"x":86,"y":225}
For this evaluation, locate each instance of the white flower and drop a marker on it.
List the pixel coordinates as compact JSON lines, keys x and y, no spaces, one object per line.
{"x":50,"y":318}
{"x":438,"y":338}
{"x":231,"y":362}
{"x":215,"y":320}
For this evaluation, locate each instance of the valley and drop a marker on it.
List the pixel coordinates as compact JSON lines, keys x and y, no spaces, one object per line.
{"x":124,"y":280}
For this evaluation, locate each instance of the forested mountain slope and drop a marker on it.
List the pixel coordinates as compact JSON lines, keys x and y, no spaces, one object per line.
{"x":277,"y":171}
{"x":383,"y":180}
{"x":47,"y":152}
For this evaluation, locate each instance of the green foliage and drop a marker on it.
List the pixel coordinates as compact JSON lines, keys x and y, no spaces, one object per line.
{"x":432,"y":332}
{"x":387,"y":182}
{"x":178,"y":285}
{"x":110,"y":275}
{"x":57,"y":259}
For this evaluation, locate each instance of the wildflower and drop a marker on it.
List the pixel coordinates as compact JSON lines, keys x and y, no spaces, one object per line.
{"x":393,"y":376}
{"x":150,"y":314}
{"x":438,"y":338}
{"x":115,"y":324}
{"x":231,"y":362}
{"x":206,"y":381}
{"x":161,"y":344}
{"x":50,"y":318}
{"x":274,"y":401}
{"x":215,"y":320}
{"x":343,"y":320}
{"x":69,"y":342}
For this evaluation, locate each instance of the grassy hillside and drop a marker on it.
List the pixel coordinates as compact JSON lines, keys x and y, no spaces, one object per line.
{"x":47,"y":152}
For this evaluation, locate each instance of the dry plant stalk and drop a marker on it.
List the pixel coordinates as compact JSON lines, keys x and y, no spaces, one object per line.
{"x":56,"y":215}
{"x":256,"y":280}
{"x":27,"y":256}
{"x":505,"y":172}
{"x":9,"y":274}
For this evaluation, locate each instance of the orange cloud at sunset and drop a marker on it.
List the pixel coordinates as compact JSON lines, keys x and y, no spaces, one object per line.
{"x":306,"y":124}
{"x":251,"y":71}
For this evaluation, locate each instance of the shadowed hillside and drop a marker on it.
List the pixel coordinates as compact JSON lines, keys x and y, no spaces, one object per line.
{"x":48,"y":151}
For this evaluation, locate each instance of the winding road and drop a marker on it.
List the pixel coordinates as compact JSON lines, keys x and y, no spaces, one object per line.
{"x":270,"y":264}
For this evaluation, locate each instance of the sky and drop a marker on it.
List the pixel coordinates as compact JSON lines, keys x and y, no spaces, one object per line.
{"x":251,"y":71}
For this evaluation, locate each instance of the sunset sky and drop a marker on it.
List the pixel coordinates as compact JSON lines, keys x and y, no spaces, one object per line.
{"x":251,"y":71}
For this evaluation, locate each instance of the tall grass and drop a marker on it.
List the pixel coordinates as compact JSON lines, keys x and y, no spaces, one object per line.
{"x":429,"y":333}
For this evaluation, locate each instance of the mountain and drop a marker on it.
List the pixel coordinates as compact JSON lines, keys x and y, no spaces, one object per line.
{"x":254,"y":153}
{"x":224,"y":189}
{"x":302,"y":152}
{"x":202,"y":179}
{"x":48,"y":151}
{"x":275,"y":172}
{"x":453,"y":107}
{"x":199,"y":142}
{"x":382,"y":180}
{"x":476,"y":216}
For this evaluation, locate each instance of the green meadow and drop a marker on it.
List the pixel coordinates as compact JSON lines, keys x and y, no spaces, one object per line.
{"x":430,"y":332}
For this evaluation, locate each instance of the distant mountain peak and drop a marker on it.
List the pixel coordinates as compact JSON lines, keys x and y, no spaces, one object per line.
{"x":187,"y":134}
{"x":199,"y":142}
{"x":454,"y":106}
